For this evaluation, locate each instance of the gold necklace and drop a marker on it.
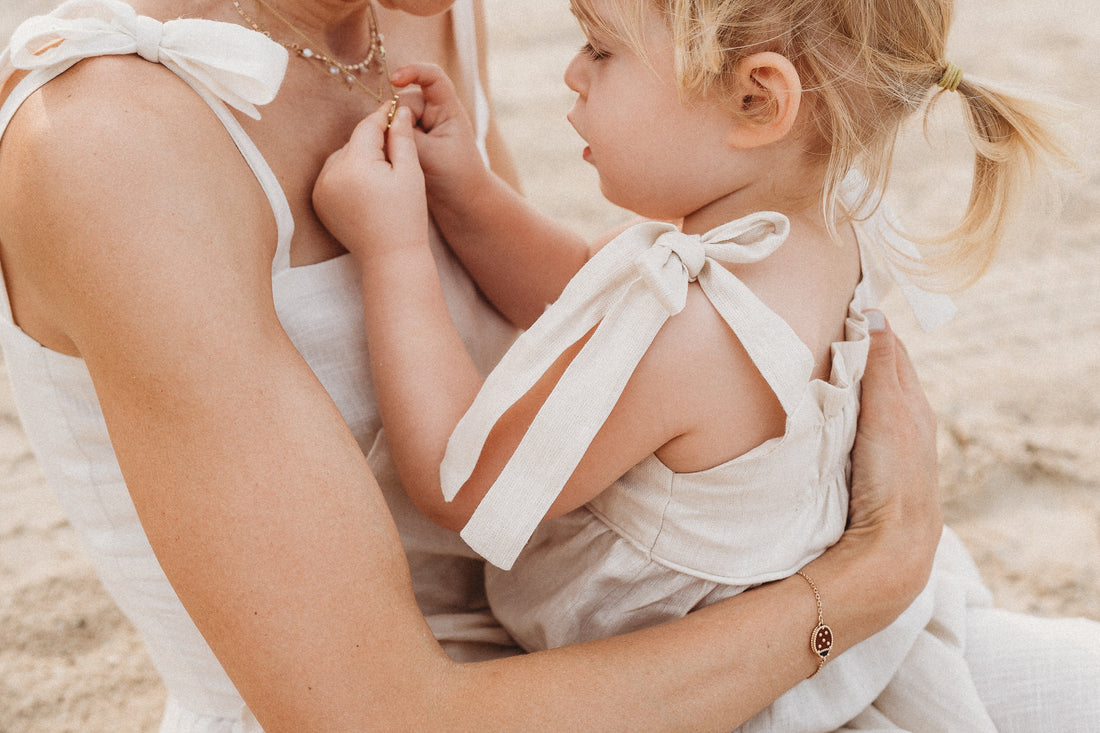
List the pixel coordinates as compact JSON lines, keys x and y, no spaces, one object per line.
{"x":376,"y":57}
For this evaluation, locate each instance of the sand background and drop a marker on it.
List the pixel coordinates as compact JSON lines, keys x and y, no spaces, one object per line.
{"x":1015,"y":379}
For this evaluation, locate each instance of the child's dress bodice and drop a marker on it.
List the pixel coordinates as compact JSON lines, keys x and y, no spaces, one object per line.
{"x":757,"y":517}
{"x":718,"y":524}
{"x":658,"y":544}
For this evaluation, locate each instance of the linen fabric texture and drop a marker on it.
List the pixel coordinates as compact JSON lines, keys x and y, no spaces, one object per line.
{"x":658,"y":544}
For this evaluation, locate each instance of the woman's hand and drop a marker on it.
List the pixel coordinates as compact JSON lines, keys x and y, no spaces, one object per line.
{"x":370,"y":193}
{"x":895,"y":500}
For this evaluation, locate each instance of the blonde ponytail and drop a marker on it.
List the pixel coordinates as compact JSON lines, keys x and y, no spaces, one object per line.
{"x":1013,"y":141}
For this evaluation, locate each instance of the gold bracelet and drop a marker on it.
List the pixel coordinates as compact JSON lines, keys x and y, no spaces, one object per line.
{"x":821,"y":640}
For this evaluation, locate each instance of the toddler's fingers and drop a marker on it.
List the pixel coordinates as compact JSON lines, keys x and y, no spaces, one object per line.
{"x":401,"y":143}
{"x":369,"y":136}
{"x":413,"y":99}
{"x":426,"y":76}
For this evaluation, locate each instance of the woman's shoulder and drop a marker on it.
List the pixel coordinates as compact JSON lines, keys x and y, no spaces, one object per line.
{"x":111,"y":101}
{"x":113,"y":123}
{"x":112,"y":55}
{"x":125,"y":173}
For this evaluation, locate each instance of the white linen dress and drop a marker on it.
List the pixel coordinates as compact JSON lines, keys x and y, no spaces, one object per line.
{"x":320,"y":308}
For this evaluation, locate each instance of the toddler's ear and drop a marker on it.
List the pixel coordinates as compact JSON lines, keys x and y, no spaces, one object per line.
{"x":769,"y":95}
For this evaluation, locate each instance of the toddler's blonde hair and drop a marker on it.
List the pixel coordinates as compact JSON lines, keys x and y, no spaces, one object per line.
{"x":865,"y":66}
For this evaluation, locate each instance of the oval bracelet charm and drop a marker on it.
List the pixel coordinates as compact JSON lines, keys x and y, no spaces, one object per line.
{"x":821,"y":640}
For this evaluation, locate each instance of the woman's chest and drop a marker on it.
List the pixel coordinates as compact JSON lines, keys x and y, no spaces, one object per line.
{"x":315,"y":113}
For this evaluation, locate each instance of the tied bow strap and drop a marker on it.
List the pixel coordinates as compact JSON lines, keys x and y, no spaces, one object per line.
{"x":237,"y":65}
{"x":626,"y":292}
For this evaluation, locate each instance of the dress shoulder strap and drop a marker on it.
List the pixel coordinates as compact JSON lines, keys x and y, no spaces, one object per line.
{"x":464,"y":23}
{"x":624,"y":295}
{"x":226,"y":64}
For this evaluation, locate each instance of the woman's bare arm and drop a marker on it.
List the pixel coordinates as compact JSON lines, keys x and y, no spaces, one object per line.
{"x":138,"y":236}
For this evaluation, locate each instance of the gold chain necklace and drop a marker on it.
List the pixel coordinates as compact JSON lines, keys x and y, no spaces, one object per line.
{"x":349,"y":73}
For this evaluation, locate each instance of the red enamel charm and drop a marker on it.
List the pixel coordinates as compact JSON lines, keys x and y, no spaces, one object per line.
{"x":822,"y":641}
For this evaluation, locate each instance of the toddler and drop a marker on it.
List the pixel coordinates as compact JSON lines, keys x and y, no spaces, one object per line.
{"x":675,"y":427}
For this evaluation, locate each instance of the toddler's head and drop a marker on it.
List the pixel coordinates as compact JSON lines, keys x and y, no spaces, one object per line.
{"x":864,"y":66}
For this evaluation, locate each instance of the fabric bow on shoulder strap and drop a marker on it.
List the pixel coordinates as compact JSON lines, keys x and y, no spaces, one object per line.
{"x":239,"y":66}
{"x":626,"y":293}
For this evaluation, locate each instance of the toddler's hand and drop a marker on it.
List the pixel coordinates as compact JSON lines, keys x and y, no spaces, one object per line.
{"x":445,"y":139}
{"x":370,"y":193}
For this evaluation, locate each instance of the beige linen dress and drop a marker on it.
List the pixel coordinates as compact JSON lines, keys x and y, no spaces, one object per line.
{"x":657,"y":544}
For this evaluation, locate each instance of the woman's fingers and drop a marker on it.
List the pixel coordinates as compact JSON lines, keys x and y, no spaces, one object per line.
{"x":884,"y":398}
{"x":881,"y":361}
{"x":894,"y":471}
{"x":911,"y":387}
{"x":892,"y":374}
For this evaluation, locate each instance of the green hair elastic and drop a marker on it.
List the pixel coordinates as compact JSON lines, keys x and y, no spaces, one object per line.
{"x":952,"y":77}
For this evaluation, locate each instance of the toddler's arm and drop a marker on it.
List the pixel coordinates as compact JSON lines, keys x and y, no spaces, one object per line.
{"x":425,"y":380}
{"x":520,"y":259}
{"x":370,"y":195}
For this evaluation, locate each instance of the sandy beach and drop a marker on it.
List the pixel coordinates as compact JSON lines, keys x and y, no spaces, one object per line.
{"x":1015,"y":378}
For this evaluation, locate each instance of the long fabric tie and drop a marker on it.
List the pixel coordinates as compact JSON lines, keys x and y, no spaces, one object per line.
{"x":626,"y":292}
{"x":237,"y":65}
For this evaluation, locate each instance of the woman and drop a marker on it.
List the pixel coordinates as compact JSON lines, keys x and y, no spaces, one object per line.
{"x":161,"y":314}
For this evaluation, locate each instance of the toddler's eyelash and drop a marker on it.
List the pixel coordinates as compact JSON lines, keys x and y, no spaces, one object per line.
{"x":593,"y":53}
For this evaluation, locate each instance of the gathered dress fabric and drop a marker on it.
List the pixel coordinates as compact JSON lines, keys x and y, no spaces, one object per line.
{"x":319,"y":306}
{"x":233,"y":68}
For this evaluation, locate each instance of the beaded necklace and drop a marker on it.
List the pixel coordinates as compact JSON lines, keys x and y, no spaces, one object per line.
{"x":349,"y":73}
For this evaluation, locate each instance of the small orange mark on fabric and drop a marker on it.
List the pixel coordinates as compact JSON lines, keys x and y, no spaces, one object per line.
{"x":51,"y":45}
